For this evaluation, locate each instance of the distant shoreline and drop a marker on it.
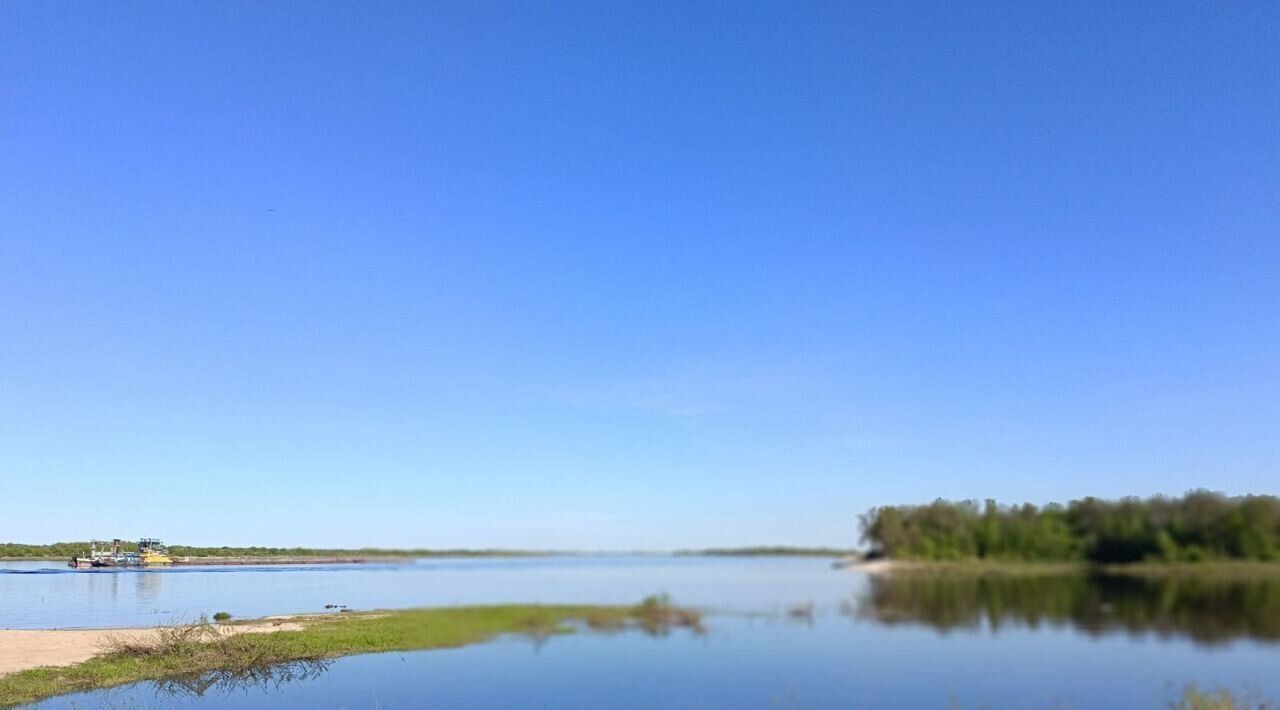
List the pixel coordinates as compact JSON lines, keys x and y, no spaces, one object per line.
{"x":246,"y":556}
{"x":242,"y":561}
{"x":18,"y":552}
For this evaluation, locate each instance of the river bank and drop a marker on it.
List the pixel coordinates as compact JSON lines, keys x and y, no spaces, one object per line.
{"x":225,"y":561}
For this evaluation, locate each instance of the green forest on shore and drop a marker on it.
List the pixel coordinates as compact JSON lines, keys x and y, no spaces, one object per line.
{"x":1198,"y":526}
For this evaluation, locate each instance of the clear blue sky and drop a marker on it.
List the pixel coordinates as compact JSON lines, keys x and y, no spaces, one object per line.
{"x":645,"y":275}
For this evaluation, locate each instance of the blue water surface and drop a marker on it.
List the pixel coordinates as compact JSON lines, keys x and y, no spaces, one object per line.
{"x":864,"y":645}
{"x":36,"y":595}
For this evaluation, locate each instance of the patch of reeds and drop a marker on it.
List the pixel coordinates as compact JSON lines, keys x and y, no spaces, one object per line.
{"x":657,"y":615}
{"x":201,"y":646}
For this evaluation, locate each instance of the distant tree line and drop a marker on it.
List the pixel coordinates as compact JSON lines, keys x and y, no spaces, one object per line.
{"x":1200,"y":525}
{"x":70,"y":549}
{"x":57,"y":549}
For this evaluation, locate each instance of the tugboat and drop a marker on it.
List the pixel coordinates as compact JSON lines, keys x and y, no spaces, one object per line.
{"x":97,"y":557}
{"x":153,"y":553}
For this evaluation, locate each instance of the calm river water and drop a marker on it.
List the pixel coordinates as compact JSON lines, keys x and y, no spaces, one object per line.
{"x":869,"y":642}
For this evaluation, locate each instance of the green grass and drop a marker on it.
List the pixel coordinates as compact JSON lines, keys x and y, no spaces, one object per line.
{"x":192,"y":650}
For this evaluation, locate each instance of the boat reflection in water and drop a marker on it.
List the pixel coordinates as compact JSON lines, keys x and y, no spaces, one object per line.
{"x":1203,"y":609}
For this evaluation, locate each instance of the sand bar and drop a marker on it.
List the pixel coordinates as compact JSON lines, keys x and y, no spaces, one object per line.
{"x":22,"y":649}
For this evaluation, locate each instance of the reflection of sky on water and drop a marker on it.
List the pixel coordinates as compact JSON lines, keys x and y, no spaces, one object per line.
{"x":1069,"y":642}
{"x":759,"y":662}
{"x":148,"y":587}
{"x":45,"y":595}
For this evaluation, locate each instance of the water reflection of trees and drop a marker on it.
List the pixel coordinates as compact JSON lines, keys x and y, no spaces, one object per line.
{"x":265,"y":677}
{"x":1205,"y":610}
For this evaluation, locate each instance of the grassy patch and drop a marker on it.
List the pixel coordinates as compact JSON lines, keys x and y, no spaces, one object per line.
{"x":195,"y":650}
{"x":657,"y":615}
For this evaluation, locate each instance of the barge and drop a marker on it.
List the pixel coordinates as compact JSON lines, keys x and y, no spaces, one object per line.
{"x":150,"y":553}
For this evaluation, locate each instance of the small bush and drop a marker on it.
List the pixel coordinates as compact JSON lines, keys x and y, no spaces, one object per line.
{"x":657,"y":615}
{"x":221,"y":616}
{"x":166,"y":640}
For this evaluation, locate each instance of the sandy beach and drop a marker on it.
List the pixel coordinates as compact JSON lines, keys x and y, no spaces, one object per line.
{"x":876,"y":567}
{"x":881,"y":566}
{"x":22,"y":649}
